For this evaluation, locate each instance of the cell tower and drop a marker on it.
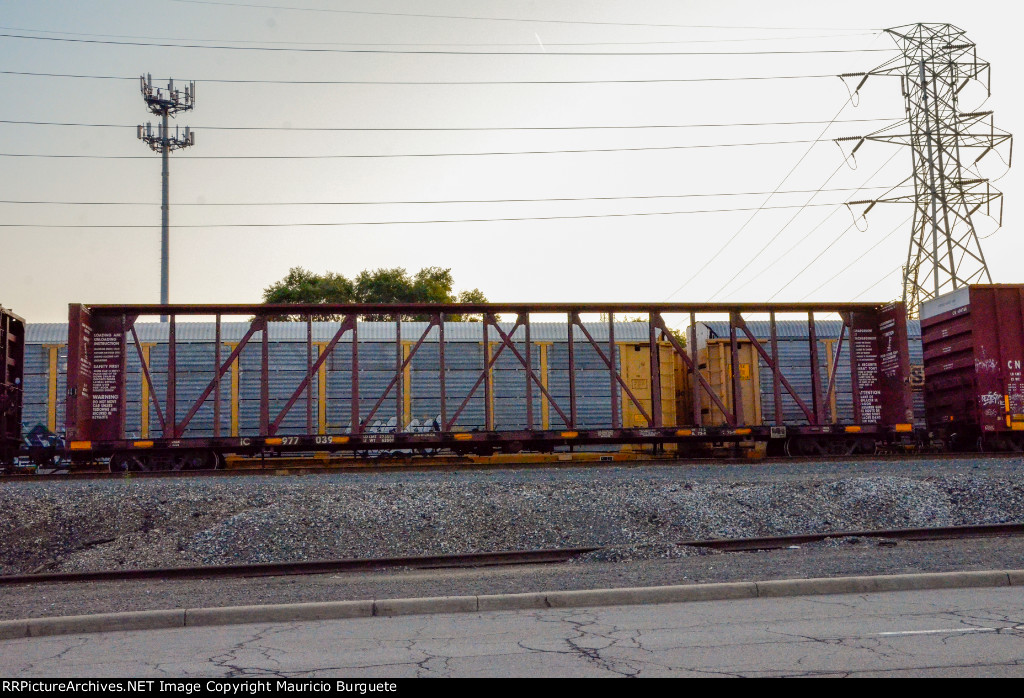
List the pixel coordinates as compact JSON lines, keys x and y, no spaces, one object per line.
{"x":936,"y":63}
{"x":163,"y":142}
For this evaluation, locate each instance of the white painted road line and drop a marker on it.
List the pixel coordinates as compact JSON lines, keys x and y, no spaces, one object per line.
{"x":946,"y":631}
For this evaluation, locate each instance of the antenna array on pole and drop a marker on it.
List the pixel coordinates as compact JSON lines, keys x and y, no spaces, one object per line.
{"x":163,"y":140}
{"x":936,"y":64}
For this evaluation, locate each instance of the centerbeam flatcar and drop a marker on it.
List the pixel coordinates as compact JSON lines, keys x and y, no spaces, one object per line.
{"x":490,"y":385}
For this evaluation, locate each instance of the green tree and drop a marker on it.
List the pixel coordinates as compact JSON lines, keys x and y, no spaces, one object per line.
{"x":429,"y":285}
{"x":474,"y":296}
{"x":433,"y":285}
{"x":302,"y":286}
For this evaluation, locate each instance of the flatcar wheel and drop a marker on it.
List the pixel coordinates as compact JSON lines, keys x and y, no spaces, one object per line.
{"x":1006,"y":444}
{"x":866,"y":445}
{"x":128,"y":463}
{"x":842,"y":446}
{"x":195,"y":460}
{"x":804,"y":446}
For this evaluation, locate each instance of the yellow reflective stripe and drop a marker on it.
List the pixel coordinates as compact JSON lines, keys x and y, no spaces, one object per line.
{"x":51,"y":393}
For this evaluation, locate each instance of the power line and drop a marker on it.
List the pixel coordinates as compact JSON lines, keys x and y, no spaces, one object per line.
{"x":420,"y":52}
{"x":774,"y":237}
{"x":814,"y":229}
{"x":884,"y":277}
{"x":743,"y":227}
{"x":410,"y":222}
{"x":509,"y":19}
{"x":424,"y":202}
{"x":839,"y":237}
{"x":491,"y":43}
{"x":863,"y":254}
{"x":408,"y":155}
{"x":240,"y":81}
{"x":453,"y":128}
{"x":828,"y":247}
{"x":752,"y":277}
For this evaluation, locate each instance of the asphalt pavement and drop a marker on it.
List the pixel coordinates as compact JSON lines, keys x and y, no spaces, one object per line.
{"x":938,"y":633}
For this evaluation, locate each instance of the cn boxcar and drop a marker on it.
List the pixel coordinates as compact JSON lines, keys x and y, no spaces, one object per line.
{"x":12,"y":366}
{"x":973,"y":355}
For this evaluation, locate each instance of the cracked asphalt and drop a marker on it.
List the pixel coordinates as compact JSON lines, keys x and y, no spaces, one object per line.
{"x":941,"y":633}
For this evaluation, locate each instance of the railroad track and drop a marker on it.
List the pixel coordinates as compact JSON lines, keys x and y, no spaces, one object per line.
{"x":516,"y":557}
{"x":275,"y":569}
{"x":299,"y":466}
{"x":942,"y":533}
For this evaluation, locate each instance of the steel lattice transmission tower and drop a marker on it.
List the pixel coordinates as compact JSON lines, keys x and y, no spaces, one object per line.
{"x":164,"y":141}
{"x":936,"y":64}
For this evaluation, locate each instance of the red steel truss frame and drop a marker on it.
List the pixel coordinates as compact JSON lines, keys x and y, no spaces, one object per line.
{"x":99,"y":335}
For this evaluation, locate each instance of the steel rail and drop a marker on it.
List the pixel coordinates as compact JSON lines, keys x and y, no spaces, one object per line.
{"x":940,"y":533}
{"x":516,"y":557}
{"x":302,"y":466}
{"x":274,"y":569}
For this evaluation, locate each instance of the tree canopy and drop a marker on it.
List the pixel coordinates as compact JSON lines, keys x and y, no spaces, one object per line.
{"x":429,"y":285}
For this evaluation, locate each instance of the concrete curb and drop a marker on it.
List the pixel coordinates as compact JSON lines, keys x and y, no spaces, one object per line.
{"x":281,"y":613}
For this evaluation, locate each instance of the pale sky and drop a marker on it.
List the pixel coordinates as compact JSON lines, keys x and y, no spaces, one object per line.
{"x":301,"y":100}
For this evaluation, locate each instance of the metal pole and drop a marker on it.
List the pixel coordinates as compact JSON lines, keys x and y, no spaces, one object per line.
{"x":165,"y":215}
{"x":163,"y":142}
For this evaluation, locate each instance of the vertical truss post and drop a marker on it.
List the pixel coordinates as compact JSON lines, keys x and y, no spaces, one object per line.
{"x":612,"y":372}
{"x":265,"y":380}
{"x":572,"y":370}
{"x":399,"y":387}
{"x":816,"y":401}
{"x":737,"y":387}
{"x":832,"y":375}
{"x":854,"y":374}
{"x":655,"y":372}
{"x":529,"y":368}
{"x":776,"y":378}
{"x":441,"y":369}
{"x":122,"y":392}
{"x":357,"y":426}
{"x":217,"y":375}
{"x":309,"y":365}
{"x":488,"y":417}
{"x":695,"y":369}
{"x":144,"y":364}
{"x":172,"y":380}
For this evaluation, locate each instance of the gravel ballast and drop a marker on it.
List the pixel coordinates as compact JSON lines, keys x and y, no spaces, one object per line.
{"x":641,"y":512}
